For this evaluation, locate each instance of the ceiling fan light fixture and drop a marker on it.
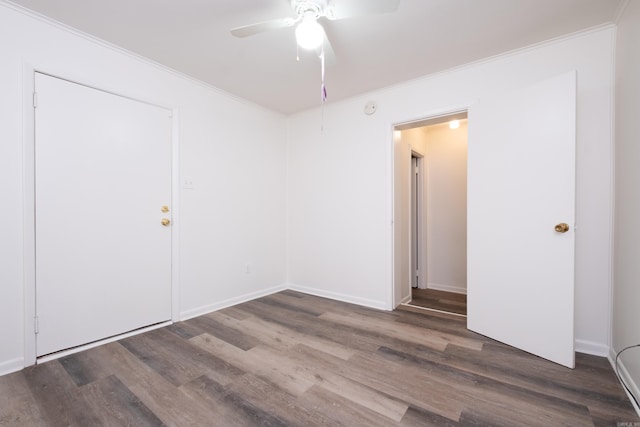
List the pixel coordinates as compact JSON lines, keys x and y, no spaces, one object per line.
{"x":309,"y":34}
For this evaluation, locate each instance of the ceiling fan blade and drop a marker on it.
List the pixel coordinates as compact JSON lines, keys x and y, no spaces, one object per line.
{"x":260,"y":27}
{"x":346,"y":9}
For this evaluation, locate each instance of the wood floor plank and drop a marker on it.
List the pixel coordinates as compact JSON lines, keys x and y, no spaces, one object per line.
{"x":301,"y":360}
{"x":483,"y":391}
{"x":367,"y":397}
{"x":293,"y":410}
{"x":281,"y":368}
{"x":368,"y":339}
{"x":455,"y":325}
{"x":388,"y":382}
{"x":17,"y":405}
{"x":439,"y":300}
{"x":264,"y":363}
{"x":230,"y":408}
{"x":210,"y":325}
{"x":313,"y":326}
{"x":176,"y":359}
{"x":341,"y":411}
{"x":597,"y":388}
{"x":280,"y":302}
{"x":345,"y":308}
{"x":422,"y":418}
{"x":114,"y":404}
{"x":234,"y":312}
{"x":405,"y":332}
{"x":58,"y":397}
{"x":276,"y":366}
{"x":325,"y":370}
{"x":272,"y":334}
{"x":322,"y":305}
{"x":425,"y":392}
{"x":185,"y":329}
{"x":85,"y":367}
{"x":168,"y":403}
{"x":275,"y":334}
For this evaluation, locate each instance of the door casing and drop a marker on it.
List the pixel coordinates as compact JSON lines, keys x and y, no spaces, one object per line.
{"x":436,"y":116}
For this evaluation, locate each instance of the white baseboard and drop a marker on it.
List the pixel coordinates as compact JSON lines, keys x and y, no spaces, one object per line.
{"x":624,"y":373}
{"x":209,"y":308}
{"x":380,"y":305}
{"x":447,"y":288}
{"x":13,"y":365}
{"x":593,"y":348}
{"x":406,"y":300}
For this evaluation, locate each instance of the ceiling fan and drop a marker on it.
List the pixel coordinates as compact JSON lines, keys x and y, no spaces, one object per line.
{"x":309,"y":33}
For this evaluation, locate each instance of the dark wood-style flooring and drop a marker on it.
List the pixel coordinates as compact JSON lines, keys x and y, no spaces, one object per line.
{"x":291,"y":359}
{"x":439,"y":300}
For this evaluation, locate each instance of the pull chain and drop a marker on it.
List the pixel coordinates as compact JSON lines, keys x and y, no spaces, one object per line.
{"x":323,"y":88}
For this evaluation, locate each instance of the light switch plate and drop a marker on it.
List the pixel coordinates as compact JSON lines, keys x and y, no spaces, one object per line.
{"x":187,"y":183}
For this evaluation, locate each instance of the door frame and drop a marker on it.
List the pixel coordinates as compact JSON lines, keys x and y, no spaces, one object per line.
{"x":417,"y":228}
{"x":393,"y":127}
{"x":29,"y":249}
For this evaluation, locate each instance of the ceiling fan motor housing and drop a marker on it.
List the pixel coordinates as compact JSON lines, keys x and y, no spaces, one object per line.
{"x":315,"y":8}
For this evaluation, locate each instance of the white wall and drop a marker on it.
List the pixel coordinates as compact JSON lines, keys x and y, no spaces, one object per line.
{"x":446,"y":207}
{"x":234,"y":151}
{"x":404,"y":142}
{"x":340,"y":179}
{"x":626,"y":289}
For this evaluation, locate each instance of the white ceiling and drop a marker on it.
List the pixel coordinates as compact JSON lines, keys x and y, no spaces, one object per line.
{"x":422,"y":37}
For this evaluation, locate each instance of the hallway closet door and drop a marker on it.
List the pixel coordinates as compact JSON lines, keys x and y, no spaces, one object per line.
{"x":521,"y":210}
{"x":102,"y":176}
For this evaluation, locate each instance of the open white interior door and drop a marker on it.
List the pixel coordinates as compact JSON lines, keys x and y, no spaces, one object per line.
{"x":521,"y":185}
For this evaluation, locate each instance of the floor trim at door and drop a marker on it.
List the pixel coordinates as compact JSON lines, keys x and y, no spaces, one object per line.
{"x":418,"y":309}
{"x":62,"y":353}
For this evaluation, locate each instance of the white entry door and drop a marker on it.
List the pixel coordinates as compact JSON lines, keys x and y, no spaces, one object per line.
{"x":521,"y":185}
{"x":102,"y":175}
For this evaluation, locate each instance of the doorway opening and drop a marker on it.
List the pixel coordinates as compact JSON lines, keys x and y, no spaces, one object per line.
{"x":430,"y":196}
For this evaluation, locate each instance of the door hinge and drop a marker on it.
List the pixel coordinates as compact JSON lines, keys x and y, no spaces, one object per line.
{"x":35,"y":99}
{"x":36,"y":326}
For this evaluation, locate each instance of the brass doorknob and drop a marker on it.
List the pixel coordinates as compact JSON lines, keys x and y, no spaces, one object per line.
{"x":165,"y":221}
{"x":562,"y":227}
